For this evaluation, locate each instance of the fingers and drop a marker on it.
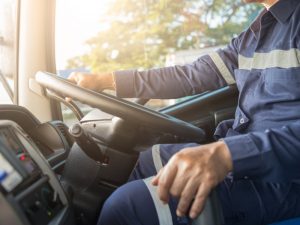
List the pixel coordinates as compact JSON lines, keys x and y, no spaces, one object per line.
{"x":180,"y":182}
{"x":68,"y":99}
{"x":83,"y":80}
{"x":165,"y":182}
{"x":186,"y":198}
{"x":155,"y":180}
{"x":199,"y":200}
{"x":73,"y":77}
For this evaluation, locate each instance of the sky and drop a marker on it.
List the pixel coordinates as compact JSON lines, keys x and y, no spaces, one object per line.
{"x":76,"y":22}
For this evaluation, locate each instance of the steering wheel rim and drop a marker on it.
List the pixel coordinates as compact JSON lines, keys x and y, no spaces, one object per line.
{"x":121,"y":108}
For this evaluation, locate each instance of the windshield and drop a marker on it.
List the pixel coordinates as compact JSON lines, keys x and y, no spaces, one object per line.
{"x":8,"y":50}
{"x":98,"y":36}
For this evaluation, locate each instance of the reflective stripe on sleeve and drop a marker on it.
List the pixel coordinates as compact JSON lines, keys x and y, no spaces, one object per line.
{"x":163,"y":211}
{"x":277,"y":58}
{"x":215,"y":57}
{"x":156,"y":157}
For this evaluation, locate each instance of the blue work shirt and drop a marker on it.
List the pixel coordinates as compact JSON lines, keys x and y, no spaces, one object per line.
{"x":264,"y":61}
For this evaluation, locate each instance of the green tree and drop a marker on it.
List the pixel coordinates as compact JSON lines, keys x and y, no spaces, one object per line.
{"x":140,"y":33}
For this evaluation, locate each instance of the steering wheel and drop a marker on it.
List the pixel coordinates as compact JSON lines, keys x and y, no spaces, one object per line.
{"x":126,"y":110}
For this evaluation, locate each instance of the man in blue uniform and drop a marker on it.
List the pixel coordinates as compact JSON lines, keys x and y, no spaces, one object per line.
{"x":255,"y":164}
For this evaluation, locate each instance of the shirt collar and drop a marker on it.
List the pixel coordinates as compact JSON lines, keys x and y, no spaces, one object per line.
{"x":283,"y":9}
{"x":255,"y":26}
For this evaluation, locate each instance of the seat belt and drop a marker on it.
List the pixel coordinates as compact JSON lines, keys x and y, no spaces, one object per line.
{"x":212,"y":213}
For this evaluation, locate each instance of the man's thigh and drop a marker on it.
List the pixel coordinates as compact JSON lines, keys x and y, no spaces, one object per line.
{"x":153,"y":159}
{"x":258,"y":202}
{"x":243,"y":201}
{"x":239,"y":199}
{"x":136,"y":203}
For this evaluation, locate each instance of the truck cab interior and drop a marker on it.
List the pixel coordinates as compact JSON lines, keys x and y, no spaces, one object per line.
{"x":60,"y":173}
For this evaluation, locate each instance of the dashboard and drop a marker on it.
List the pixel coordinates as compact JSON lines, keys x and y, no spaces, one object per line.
{"x":30,"y":190}
{"x":48,"y":179}
{"x":11,"y":145}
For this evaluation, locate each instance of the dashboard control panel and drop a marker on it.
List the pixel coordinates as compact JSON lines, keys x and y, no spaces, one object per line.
{"x":9,"y":176}
{"x":15,"y":162}
{"x":28,"y":187}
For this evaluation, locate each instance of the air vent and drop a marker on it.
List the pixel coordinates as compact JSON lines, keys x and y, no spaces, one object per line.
{"x":44,"y":149}
{"x":63,"y":130}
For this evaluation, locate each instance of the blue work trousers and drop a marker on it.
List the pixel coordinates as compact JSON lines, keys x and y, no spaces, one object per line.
{"x":244,"y":201}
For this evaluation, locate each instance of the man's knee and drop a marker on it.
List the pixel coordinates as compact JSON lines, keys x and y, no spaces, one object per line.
{"x":145,"y":166}
{"x":115,"y":207}
{"x":126,"y":204}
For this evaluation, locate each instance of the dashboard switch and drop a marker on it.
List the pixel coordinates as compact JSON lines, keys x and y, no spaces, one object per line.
{"x":3,"y":175}
{"x":10,"y":177}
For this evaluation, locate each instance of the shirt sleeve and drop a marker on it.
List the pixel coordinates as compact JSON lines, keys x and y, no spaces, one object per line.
{"x":208,"y":72}
{"x":270,"y":155}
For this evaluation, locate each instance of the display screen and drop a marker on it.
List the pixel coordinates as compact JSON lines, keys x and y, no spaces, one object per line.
{"x":12,"y":144}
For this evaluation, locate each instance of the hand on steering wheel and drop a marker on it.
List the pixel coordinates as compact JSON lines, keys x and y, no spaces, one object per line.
{"x":94,"y":82}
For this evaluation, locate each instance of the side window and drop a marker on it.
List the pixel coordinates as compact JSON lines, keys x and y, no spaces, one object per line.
{"x":8,"y":50}
{"x":107,"y":35}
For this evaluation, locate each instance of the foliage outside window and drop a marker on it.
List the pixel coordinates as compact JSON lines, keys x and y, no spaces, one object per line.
{"x":141,"y":34}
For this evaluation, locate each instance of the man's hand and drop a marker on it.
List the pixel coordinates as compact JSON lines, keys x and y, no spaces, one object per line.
{"x":95,"y":82}
{"x":191,"y":174}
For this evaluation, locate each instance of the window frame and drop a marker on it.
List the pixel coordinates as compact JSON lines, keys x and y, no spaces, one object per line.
{"x":13,"y":94}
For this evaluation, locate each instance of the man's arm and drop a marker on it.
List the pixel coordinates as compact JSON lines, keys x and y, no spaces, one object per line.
{"x":209,"y":72}
{"x":273,"y":155}
{"x":170,"y":82}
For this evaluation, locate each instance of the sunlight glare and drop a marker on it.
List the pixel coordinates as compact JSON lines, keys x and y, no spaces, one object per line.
{"x":76,"y":22}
